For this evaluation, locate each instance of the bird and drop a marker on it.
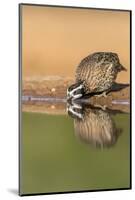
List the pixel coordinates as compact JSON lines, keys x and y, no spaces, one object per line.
{"x":94,"y":125}
{"x":96,"y":73}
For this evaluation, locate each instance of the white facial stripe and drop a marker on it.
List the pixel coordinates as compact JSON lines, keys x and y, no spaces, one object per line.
{"x":75,"y":105}
{"x":79,"y":87}
{"x":77,"y":96}
{"x":75,"y":113}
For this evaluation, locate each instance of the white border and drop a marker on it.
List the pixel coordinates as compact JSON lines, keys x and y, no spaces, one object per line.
{"x":9,"y":98}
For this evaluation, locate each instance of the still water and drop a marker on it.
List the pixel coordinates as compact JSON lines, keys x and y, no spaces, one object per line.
{"x":85,"y":150}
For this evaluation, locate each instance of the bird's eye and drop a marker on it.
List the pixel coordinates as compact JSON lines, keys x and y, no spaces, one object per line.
{"x":76,"y":92}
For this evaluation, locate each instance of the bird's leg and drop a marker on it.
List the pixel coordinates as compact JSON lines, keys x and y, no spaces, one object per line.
{"x":102,"y":94}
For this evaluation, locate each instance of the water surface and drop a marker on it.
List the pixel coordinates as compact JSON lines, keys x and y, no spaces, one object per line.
{"x":55,"y":159}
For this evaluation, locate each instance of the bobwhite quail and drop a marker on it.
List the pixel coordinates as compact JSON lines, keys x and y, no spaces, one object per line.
{"x":95,"y":74}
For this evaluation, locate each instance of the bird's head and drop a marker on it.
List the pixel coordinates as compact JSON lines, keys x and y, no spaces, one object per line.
{"x":75,"y":91}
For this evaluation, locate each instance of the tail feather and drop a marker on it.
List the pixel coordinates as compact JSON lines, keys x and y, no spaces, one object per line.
{"x":122,"y":68}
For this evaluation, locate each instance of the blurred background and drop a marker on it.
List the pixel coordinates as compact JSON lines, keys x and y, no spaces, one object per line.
{"x":55,"y":40}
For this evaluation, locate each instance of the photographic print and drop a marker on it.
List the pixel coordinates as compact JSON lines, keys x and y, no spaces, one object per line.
{"x":75,"y":88}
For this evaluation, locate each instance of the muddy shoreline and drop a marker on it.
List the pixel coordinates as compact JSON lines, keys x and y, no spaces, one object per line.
{"x":49,"y":96}
{"x":57,"y":87}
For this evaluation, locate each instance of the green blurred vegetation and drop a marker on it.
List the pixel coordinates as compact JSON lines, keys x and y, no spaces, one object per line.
{"x":54,"y":160}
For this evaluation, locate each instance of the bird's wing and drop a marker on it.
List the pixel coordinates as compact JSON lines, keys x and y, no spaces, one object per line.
{"x":85,"y":67}
{"x":93,"y":63}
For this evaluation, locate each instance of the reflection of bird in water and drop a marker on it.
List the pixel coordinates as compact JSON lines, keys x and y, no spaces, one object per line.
{"x":95,"y":74}
{"x":94,"y":125}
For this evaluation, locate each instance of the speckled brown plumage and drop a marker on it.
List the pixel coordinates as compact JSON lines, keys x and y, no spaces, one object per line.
{"x":98,"y":71}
